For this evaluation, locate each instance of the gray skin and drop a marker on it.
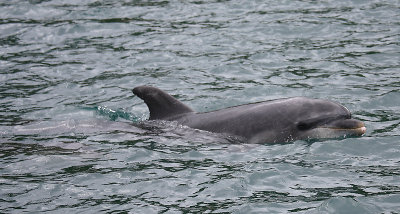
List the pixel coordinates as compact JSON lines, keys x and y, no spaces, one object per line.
{"x":282,"y":120}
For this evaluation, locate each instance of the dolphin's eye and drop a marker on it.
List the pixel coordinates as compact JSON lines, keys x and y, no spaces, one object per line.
{"x":303,"y":126}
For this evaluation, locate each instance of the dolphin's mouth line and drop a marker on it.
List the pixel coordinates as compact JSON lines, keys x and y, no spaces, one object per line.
{"x":360,"y":129}
{"x":349,"y":125}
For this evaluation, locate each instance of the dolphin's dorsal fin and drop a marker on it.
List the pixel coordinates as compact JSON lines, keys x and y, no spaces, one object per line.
{"x":161,"y":105}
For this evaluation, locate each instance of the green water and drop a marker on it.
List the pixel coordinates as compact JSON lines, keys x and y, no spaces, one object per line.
{"x":73,"y":138}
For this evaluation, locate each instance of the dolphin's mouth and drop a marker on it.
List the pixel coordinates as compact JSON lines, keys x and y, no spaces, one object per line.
{"x":356,"y":131}
{"x":350,"y":126}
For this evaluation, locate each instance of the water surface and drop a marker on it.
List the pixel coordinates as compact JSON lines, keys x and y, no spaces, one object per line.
{"x":72,"y":133}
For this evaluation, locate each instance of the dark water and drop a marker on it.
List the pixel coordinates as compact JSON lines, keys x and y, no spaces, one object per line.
{"x":72,"y":139}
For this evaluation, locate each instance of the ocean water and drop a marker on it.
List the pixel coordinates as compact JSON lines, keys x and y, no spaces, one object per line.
{"x":74,"y":139}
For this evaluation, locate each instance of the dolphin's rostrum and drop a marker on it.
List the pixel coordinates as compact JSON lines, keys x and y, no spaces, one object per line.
{"x":281,"y":120}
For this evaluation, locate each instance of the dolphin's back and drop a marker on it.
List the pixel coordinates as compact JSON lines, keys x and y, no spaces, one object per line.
{"x":245,"y":120}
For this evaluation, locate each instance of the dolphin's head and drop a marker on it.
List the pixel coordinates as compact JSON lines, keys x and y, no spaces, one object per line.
{"x":318,"y":119}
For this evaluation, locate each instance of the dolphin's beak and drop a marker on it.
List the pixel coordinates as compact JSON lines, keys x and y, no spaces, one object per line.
{"x":350,"y":126}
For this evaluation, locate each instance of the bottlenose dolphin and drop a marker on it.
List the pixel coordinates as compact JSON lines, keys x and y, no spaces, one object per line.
{"x":281,"y":120}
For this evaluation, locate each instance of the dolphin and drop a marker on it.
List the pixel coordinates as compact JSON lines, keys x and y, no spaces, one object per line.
{"x":275,"y":121}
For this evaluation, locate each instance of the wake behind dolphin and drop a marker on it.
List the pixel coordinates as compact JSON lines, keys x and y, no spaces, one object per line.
{"x":281,"y":120}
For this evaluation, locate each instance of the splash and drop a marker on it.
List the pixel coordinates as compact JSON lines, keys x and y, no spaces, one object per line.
{"x":117,"y":114}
